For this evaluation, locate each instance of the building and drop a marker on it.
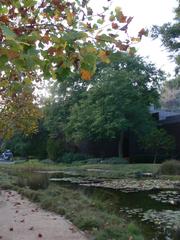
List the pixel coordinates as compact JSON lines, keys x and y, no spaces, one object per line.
{"x":131,"y":149}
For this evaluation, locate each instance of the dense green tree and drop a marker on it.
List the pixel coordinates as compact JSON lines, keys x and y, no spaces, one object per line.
{"x":158,"y":141}
{"x":63,"y":95}
{"x":25,"y":146}
{"x":117,"y":100}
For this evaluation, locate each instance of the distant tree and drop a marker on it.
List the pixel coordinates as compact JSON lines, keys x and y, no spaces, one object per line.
{"x":32,"y":145}
{"x":170,"y":34}
{"x":170,"y":94}
{"x":63,"y":95}
{"x":158,"y":141}
{"x":117,"y":100}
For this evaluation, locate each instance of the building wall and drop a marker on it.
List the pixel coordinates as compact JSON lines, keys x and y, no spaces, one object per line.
{"x":132,"y":150}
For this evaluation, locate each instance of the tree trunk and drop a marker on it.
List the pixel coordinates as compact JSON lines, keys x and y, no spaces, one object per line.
{"x":155,"y":157}
{"x":120,"y":145}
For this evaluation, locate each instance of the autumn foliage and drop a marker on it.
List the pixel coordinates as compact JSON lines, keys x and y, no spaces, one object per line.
{"x":43,"y":39}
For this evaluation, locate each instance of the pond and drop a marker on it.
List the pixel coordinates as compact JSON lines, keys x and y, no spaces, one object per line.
{"x":157,"y":212}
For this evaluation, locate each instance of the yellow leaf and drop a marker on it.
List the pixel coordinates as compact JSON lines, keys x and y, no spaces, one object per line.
{"x":85,"y":74}
{"x":133,"y":39}
{"x":103,"y":56}
{"x":70,"y":18}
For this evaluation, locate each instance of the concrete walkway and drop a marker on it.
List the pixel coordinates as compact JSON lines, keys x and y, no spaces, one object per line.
{"x":22,"y":220}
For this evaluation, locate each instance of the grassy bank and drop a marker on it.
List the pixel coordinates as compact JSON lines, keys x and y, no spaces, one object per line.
{"x":87,"y":170}
{"x":90,"y":214}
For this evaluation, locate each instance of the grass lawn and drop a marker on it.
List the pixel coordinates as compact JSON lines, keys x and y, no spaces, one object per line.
{"x":89,"y":170}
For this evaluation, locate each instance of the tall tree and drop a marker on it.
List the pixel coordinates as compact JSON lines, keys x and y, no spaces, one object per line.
{"x":117,"y":100}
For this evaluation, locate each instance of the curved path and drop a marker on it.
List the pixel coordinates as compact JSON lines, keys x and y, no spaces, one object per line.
{"x":23,"y":220}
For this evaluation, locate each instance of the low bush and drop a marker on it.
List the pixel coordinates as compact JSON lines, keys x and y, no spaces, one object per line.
{"x":73,"y":157}
{"x":115,"y":160}
{"x":135,"y":232}
{"x":94,"y":160}
{"x":113,"y":232}
{"x":29,"y":193}
{"x":55,"y":149}
{"x":34,"y":181}
{"x":171,"y":167}
{"x":112,"y":160}
{"x":88,"y":222}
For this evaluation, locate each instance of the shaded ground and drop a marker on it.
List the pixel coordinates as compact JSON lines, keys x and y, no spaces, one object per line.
{"x":22,"y":220}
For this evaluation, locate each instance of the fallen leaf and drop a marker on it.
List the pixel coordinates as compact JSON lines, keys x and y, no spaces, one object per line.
{"x":17,"y":203}
{"x":31,"y":228}
{"x":40,"y":235}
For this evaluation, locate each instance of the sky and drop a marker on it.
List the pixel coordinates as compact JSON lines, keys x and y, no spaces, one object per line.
{"x":147,"y":13}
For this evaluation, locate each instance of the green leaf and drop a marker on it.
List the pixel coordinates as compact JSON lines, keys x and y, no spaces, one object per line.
{"x":3,"y":60}
{"x":62,"y":73}
{"x":100,"y":21}
{"x":16,"y":3}
{"x":74,"y":35}
{"x":29,"y":3}
{"x":10,"y":35}
{"x":46,"y":71}
{"x":105,"y":38}
{"x":3,"y":10}
{"x":89,"y":62}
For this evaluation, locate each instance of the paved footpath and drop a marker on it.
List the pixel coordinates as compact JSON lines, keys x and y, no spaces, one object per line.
{"x":22,"y":220}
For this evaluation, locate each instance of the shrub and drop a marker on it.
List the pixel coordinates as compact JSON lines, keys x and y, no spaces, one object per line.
{"x":134,"y":232}
{"x":34,"y":181}
{"x":31,"y":194}
{"x":73,"y":157}
{"x":114,"y":160}
{"x":171,"y":167}
{"x":94,"y":160}
{"x":113,"y":232}
{"x":55,"y":148}
{"x":88,"y":222}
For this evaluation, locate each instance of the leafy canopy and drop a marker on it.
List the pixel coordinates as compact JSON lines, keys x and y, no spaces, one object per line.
{"x":49,"y":39}
{"x":117,"y":100}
